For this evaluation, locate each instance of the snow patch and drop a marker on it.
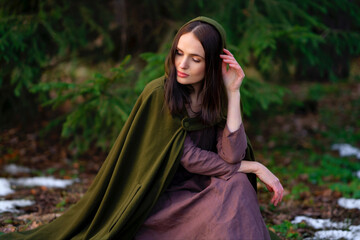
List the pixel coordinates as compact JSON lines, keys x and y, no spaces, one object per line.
{"x":346,"y":150}
{"x":337,"y":234}
{"x":10,"y":205}
{"x":336,"y":230}
{"x":349,"y":203}
{"x":15,"y":169}
{"x":5,"y":187}
{"x":50,"y":182}
{"x":319,"y":223}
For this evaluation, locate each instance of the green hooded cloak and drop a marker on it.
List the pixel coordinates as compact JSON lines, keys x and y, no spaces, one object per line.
{"x":139,"y":167}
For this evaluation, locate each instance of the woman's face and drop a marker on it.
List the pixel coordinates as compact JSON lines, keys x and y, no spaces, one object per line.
{"x":190,"y":61}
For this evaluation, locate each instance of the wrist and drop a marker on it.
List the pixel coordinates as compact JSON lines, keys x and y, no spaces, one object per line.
{"x":250,"y":167}
{"x":233,"y":94}
{"x":258,"y":168}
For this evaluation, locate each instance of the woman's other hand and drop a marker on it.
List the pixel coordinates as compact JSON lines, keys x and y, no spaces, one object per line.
{"x":272,"y":183}
{"x":268,"y":178}
{"x":234,"y":75}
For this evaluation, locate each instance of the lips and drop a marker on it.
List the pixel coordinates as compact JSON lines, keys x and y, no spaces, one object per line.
{"x":182,"y":75}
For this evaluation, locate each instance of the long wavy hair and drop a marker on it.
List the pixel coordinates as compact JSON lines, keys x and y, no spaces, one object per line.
{"x":214,"y":97}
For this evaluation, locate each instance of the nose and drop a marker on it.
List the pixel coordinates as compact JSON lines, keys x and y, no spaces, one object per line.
{"x":183,"y":63}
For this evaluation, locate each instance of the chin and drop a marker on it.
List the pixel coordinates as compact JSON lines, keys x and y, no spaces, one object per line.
{"x":182,"y":81}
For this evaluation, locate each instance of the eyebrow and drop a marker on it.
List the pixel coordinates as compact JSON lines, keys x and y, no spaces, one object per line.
{"x":192,"y":54}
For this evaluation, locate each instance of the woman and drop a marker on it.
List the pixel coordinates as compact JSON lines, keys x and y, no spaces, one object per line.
{"x":210,"y":197}
{"x":177,"y":169}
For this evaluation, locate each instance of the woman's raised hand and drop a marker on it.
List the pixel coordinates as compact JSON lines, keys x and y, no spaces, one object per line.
{"x":234,"y":75}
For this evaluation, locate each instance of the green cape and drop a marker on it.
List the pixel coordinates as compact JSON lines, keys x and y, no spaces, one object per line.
{"x":139,"y":167}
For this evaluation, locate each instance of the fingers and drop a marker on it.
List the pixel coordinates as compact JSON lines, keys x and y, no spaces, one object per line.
{"x":229,"y":59}
{"x":233,"y":63}
{"x":272,"y":183}
{"x":278,"y":193}
{"x":227,"y":52}
{"x":227,"y":55}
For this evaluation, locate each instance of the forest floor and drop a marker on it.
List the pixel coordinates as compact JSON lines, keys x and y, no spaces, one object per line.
{"x":294,"y":140}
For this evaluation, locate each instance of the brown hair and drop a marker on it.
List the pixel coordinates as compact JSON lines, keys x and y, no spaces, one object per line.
{"x":177,"y":95}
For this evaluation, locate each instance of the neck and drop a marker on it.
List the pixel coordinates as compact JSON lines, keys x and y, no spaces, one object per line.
{"x":195,"y":96}
{"x":196,"y":102}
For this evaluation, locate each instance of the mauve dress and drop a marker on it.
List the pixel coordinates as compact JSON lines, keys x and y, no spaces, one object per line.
{"x":208,"y":198}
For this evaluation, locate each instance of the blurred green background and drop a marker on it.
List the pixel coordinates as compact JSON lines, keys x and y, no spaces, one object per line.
{"x":78,"y":52}
{"x":78,"y":67}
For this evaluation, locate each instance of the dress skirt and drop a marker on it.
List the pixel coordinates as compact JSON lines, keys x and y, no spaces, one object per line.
{"x":208,"y":198}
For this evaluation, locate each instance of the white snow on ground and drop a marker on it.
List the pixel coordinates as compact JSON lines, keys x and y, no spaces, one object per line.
{"x":319,"y":223}
{"x":346,"y":150}
{"x":339,"y":230}
{"x":337,"y":234}
{"x":50,"y":182}
{"x":349,"y":203}
{"x":43,"y":181}
{"x":14,"y":169}
{"x":354,"y":233}
{"x":5,"y":188}
{"x":10,"y":205}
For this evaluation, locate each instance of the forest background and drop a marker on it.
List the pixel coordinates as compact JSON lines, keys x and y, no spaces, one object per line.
{"x":70,"y":72}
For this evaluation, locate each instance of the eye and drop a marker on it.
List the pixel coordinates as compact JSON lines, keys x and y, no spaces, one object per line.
{"x":196,"y":60}
{"x":177,"y":52}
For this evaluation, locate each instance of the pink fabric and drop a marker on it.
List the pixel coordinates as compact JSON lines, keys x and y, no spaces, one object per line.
{"x":208,"y":198}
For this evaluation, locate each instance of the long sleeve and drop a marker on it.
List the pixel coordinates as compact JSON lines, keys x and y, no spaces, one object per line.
{"x":231,"y":147}
{"x":199,"y":161}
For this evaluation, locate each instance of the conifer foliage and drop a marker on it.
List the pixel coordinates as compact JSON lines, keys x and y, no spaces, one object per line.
{"x":36,"y":35}
{"x":280,"y":40}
